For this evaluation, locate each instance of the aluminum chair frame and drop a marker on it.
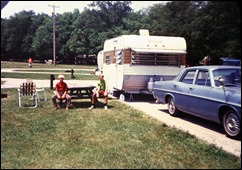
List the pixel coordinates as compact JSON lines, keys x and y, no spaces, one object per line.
{"x":41,"y":89}
{"x":26,"y":90}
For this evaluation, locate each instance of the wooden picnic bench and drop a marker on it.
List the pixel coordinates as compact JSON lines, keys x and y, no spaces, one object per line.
{"x":81,"y":92}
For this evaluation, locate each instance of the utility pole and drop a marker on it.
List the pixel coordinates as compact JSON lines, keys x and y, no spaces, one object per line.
{"x":53,"y":17}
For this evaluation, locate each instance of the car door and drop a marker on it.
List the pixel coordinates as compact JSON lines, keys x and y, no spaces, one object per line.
{"x":199,"y":98}
{"x":182,"y":90}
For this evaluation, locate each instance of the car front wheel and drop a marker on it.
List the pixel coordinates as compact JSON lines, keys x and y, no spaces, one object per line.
{"x":231,"y":124}
{"x":172,"y":107}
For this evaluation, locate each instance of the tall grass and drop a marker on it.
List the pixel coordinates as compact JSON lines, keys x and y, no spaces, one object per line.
{"x":121,"y":137}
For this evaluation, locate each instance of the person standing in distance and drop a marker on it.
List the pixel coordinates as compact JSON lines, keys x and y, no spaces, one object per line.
{"x":30,"y":61}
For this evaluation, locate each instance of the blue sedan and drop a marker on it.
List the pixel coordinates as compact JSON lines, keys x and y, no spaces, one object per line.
{"x":209,"y":92}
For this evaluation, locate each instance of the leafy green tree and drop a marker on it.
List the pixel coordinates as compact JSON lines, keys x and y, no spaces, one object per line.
{"x":37,"y":21}
{"x":19,"y":34}
{"x":136,"y":21}
{"x":91,"y":26}
{"x":4,"y":37}
{"x":112,"y":12}
{"x":43,"y":41}
{"x":64,"y":29}
{"x":176,"y":18}
{"x":220,"y":28}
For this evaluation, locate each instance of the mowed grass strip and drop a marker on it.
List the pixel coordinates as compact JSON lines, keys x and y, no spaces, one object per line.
{"x":38,"y":76}
{"x":121,"y":137}
{"x":31,"y":72}
{"x":57,"y":71}
{"x":11,"y":64}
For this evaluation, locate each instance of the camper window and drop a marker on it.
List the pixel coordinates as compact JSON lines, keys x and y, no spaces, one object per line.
{"x":107,"y":59}
{"x":155,"y":59}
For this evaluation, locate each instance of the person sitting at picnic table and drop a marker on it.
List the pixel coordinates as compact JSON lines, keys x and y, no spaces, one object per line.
{"x":101,"y":89}
{"x":61,"y":89}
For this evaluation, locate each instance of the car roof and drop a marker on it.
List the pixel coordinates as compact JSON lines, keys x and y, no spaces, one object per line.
{"x":214,"y":67}
{"x":230,"y":59}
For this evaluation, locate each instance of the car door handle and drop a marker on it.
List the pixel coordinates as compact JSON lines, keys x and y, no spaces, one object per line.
{"x":175,"y":85}
{"x":191,"y":88}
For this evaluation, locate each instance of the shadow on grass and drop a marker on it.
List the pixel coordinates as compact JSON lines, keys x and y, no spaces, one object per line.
{"x":87,"y":104}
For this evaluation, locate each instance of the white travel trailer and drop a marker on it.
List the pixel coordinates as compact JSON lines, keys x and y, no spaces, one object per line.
{"x":132,"y":63}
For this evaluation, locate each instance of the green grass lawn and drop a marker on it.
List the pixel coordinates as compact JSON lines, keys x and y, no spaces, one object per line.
{"x":121,"y":137}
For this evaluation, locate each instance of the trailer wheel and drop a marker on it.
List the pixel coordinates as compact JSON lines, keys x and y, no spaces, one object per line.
{"x":116,"y":93}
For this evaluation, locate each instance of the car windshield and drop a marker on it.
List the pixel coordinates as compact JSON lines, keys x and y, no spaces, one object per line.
{"x":230,"y":76}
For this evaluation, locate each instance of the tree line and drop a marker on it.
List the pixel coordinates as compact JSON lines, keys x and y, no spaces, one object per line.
{"x":209,"y":28}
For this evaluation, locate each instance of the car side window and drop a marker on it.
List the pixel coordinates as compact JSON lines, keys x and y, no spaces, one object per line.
{"x":188,"y":77}
{"x":203,"y":79}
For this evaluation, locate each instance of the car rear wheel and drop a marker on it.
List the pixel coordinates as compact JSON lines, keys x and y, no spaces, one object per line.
{"x":231,"y":124}
{"x":173,"y":111}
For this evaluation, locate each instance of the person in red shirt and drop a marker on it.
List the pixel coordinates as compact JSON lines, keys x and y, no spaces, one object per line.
{"x":61,"y":89}
{"x":30,"y":62}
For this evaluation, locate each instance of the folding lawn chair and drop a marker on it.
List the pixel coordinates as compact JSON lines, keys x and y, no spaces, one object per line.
{"x":27,"y":94}
{"x":40,"y":89}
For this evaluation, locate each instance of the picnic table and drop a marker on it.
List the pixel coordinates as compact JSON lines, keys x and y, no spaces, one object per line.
{"x":81,"y":92}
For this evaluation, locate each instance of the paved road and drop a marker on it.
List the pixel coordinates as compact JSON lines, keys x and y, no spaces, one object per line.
{"x":15,"y":83}
{"x":204,"y":130}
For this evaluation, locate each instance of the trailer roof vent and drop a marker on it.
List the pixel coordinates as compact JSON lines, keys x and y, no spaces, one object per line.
{"x":144,"y":32}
